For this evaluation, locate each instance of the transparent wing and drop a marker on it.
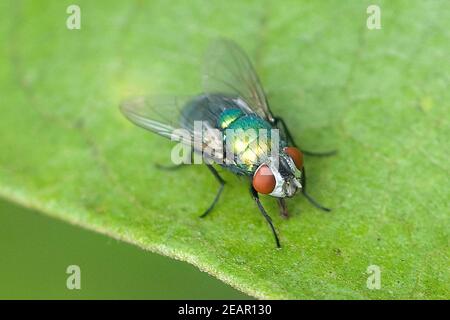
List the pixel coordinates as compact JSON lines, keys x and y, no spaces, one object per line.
{"x":158,"y":114}
{"x":228,"y":70}
{"x":166,"y":116}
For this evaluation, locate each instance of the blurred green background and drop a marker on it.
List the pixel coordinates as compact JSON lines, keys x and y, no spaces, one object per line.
{"x":36,"y":250}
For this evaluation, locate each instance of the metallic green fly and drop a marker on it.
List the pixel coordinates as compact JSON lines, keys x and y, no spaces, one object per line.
{"x":233,"y":104}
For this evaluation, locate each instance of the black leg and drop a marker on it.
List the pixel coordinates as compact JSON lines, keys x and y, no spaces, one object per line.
{"x":290,"y":140}
{"x":289,"y":137}
{"x":264,"y":213}
{"x":219,"y":192}
{"x":320,"y":154}
{"x":307,"y":196}
{"x":169,"y":167}
{"x":283,"y":208}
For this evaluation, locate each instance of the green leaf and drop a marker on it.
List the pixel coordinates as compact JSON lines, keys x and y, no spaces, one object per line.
{"x":379,"y":96}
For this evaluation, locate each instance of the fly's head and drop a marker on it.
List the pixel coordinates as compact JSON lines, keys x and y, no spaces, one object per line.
{"x":280,"y":176}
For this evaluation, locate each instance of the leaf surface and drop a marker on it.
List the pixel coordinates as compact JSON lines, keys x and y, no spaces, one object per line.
{"x":380,"y":97}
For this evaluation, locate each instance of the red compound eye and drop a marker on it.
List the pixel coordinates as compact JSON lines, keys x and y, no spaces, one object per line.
{"x":296,"y":155}
{"x":264,"y":180}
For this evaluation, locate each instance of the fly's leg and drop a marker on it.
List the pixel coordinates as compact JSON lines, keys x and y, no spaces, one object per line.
{"x":291,"y":140}
{"x":307,"y":196}
{"x":286,"y":130}
{"x":176,"y":166}
{"x":309,"y":153}
{"x":169,"y":167}
{"x":219,"y":192}
{"x":283,"y":208}
{"x":320,"y":154}
{"x":264,"y":213}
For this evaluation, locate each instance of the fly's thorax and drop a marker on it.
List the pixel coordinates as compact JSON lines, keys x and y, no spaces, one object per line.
{"x":247,"y":138}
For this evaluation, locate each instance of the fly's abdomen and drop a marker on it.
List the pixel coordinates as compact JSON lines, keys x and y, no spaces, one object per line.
{"x":228,"y":116}
{"x":206,"y":108}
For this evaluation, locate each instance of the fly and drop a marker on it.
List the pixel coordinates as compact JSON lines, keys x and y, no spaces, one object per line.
{"x":233,"y":101}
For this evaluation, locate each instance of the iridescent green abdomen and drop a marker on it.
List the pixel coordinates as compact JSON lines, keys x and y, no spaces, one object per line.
{"x":228,"y":116}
